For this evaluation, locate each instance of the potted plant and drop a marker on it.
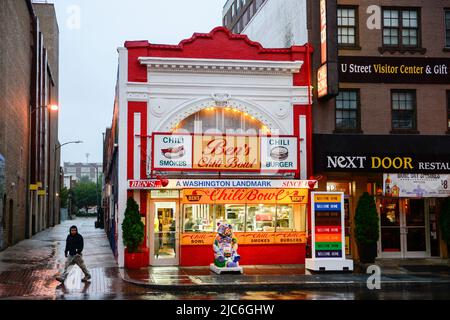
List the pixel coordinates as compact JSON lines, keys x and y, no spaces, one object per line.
{"x":444,"y":222}
{"x":133,"y":235}
{"x":367,"y":228}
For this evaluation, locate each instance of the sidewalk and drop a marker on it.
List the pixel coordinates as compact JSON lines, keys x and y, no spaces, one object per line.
{"x":27,"y":269}
{"x":278,"y":278}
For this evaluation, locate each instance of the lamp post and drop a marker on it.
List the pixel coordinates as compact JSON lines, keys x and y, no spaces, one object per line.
{"x":54,"y":174}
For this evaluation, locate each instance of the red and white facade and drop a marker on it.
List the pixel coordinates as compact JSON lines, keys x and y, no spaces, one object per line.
{"x":160,"y":86}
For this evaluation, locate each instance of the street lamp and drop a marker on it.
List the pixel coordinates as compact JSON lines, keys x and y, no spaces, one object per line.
{"x":54,"y":174}
{"x":54,"y":107}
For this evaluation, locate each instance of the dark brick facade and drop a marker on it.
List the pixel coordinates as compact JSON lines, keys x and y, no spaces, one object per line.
{"x":23,"y":113}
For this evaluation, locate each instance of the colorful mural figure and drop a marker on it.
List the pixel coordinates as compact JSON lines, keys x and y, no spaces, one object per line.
{"x":225,"y":247}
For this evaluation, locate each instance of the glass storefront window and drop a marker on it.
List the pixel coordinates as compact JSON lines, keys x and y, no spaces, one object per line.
{"x":261,"y":217}
{"x":285,"y":218}
{"x":233,"y":214}
{"x":244,"y":218}
{"x":198,"y":218}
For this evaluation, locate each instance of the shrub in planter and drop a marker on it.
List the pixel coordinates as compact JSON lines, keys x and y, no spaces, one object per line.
{"x":444,"y":223}
{"x":133,"y":235}
{"x":366,"y":228}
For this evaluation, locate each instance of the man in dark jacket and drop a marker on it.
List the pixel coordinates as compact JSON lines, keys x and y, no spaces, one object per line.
{"x":74,"y":248}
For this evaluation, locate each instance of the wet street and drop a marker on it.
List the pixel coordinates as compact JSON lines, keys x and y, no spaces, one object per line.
{"x":274,"y":295}
{"x":27,"y":271}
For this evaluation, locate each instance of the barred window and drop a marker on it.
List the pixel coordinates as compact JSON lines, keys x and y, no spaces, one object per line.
{"x":346,"y":26}
{"x":401,"y":28}
{"x":347,"y":110}
{"x":403,"y":110}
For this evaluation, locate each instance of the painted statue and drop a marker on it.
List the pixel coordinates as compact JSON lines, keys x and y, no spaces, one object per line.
{"x":225,"y":248}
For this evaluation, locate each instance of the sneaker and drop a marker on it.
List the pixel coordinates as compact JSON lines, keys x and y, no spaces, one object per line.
{"x":86,"y":278}
{"x":60,"y":279}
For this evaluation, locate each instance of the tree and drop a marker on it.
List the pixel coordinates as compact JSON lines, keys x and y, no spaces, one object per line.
{"x":367,"y":228}
{"x":444,"y":222}
{"x":84,"y":194}
{"x":64,"y":194}
{"x":132,"y":226}
{"x":366,"y":220}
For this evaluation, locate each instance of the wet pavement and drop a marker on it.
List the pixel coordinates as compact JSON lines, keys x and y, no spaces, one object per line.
{"x":277,"y":278}
{"x":27,"y":271}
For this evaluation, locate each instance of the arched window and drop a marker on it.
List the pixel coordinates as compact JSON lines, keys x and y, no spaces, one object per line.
{"x":222,"y":120}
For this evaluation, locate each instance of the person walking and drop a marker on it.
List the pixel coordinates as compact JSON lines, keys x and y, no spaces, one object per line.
{"x":73,"y":253}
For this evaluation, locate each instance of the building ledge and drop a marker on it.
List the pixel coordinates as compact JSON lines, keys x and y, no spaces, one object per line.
{"x":341,"y":47}
{"x":221,"y":65}
{"x":402,"y":50}
{"x":407,"y":131}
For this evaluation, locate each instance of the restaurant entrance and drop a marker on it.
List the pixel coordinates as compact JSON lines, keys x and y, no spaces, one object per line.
{"x":164,"y":239}
{"x":404,"y":228}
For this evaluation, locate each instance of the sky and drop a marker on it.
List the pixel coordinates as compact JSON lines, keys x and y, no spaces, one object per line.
{"x":90,"y":31}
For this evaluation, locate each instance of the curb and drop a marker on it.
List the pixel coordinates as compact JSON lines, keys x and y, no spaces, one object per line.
{"x":287,"y":286}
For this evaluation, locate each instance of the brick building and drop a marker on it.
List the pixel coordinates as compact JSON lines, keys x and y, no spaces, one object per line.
{"x":79,"y":170}
{"x":381,"y":123}
{"x":28,"y":126}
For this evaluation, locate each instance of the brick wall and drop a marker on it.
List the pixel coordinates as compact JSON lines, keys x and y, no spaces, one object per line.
{"x":376,"y":98}
{"x":15,"y":66}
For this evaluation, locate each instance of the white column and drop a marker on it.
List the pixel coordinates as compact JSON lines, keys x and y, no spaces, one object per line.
{"x":122,"y":174}
{"x":137,"y":146}
{"x":303,"y":149}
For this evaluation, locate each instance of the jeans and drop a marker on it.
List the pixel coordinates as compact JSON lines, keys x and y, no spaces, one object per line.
{"x":72,"y":260}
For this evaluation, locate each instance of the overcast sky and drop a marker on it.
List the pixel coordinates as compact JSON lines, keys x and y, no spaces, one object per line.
{"x":90,"y":32}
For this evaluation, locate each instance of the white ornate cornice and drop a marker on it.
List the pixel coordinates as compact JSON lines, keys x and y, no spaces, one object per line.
{"x":221,"y":65}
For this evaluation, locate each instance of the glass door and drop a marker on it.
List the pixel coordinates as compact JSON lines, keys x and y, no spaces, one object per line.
{"x":415,"y":229}
{"x":404,"y":231}
{"x":164,"y":236}
{"x":390,"y":244}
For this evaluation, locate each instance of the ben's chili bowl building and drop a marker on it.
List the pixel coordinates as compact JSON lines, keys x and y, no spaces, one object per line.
{"x":215,"y":129}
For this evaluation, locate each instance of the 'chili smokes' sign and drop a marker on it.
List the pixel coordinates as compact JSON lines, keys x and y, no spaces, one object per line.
{"x":224,"y":152}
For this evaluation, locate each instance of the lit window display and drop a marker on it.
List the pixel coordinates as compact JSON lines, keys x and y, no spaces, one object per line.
{"x":285,"y":218}
{"x":233,"y":214}
{"x":198,"y":218}
{"x":261,"y":217}
{"x":244,"y":218}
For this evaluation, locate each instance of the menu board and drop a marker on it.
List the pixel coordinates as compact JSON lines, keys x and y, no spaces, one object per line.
{"x":328,"y":224}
